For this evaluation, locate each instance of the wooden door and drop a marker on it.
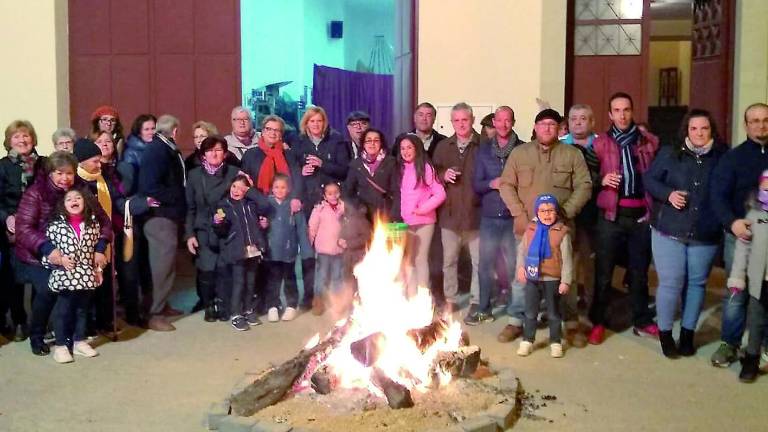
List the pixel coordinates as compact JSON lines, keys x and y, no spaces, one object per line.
{"x":712,"y":52}
{"x":179,"y":57}
{"x":608,"y":44}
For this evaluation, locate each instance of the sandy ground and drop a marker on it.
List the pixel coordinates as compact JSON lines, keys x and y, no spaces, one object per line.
{"x":165,"y":381}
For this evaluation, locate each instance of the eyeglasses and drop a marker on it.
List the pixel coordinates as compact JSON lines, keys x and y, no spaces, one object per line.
{"x":358,"y":124}
{"x":548,"y":211}
{"x":241,"y":120}
{"x":109,"y":120}
{"x":372,"y":141}
{"x":269,"y":129}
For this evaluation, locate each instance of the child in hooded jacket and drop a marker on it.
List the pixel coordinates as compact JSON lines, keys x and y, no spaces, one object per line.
{"x":545,"y":264}
{"x":239,"y":221}
{"x":324,"y":235}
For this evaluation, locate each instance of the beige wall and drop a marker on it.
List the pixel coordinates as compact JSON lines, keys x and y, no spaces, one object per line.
{"x":666,"y":54}
{"x":34,"y":80}
{"x":750,"y":82}
{"x":491,"y":53}
{"x":672,"y":28}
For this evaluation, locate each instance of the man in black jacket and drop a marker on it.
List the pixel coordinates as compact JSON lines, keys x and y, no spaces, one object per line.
{"x":734,"y":178}
{"x":162,"y":176}
{"x":423,"y":122}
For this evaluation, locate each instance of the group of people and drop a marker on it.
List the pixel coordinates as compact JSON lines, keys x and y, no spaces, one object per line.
{"x":101,"y":218}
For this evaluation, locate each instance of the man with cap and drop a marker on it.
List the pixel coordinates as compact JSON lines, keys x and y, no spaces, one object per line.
{"x":423,"y":127}
{"x":357,"y":123}
{"x":544,"y":165}
{"x":112,"y":201}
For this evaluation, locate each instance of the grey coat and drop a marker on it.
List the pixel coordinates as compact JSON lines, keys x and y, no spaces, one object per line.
{"x":750,"y":259}
{"x":204,"y":191}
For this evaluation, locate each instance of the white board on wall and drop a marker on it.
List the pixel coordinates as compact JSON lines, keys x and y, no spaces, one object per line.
{"x":443,"y":118}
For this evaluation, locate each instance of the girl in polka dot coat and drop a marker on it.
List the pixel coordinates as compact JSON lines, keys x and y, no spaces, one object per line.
{"x":74,"y":231}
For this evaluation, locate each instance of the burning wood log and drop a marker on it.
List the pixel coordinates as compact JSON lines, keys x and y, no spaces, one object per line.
{"x":426,"y":336}
{"x":397,"y":395}
{"x":462,"y":363}
{"x":322,"y":380}
{"x":366,"y":350}
{"x":272,"y":384}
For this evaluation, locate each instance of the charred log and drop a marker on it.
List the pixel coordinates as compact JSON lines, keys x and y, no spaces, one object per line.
{"x":366,"y":350}
{"x":462,"y":362}
{"x":322,"y":381}
{"x":397,"y":395}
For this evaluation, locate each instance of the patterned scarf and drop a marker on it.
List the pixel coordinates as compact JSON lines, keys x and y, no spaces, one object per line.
{"x":27,"y":164}
{"x":503,"y":152}
{"x":274,"y":162}
{"x":102,"y":193}
{"x":210,"y":169}
{"x":372,"y":163}
{"x":539,"y":249}
{"x":627,"y":139}
{"x":699,"y":151}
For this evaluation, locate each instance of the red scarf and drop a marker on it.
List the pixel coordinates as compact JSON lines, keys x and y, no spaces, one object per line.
{"x":273,"y":163}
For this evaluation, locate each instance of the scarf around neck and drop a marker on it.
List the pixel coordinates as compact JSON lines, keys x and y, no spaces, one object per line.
{"x":27,"y":164}
{"x":503,"y":152}
{"x":102,"y":194}
{"x":626,"y":139}
{"x":699,"y":151}
{"x":210,"y":169}
{"x":539,"y":249}
{"x":372,"y":163}
{"x":274,"y":162}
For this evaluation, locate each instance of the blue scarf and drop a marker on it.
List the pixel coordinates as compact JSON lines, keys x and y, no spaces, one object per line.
{"x":539,"y":249}
{"x":626,"y":139}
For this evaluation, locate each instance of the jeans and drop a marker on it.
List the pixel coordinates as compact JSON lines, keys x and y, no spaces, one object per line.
{"x":243,"y":286}
{"x":452,"y":242}
{"x":534,"y":291}
{"x":609,"y":236}
{"x":308,"y":280}
{"x":497,"y":238}
{"x":680,"y":265}
{"x":329,"y":273}
{"x":734,"y":305}
{"x":756,"y":319}
{"x":43,"y":299}
{"x":70,"y":316}
{"x":279,"y":272}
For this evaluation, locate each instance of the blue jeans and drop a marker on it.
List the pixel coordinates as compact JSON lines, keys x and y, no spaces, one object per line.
{"x":329,"y":273}
{"x":534,"y":292}
{"x":678,"y":265}
{"x":497,"y":238}
{"x":734,"y":305}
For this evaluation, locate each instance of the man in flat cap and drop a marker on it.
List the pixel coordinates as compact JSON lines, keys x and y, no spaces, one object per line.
{"x":357,"y":123}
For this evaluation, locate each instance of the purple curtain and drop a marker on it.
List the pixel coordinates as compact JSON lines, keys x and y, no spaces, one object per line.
{"x":341,"y":91}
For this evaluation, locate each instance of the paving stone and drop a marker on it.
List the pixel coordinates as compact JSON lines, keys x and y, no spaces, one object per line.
{"x":267,"y":426}
{"x":479,"y":424}
{"x":216,"y":412}
{"x":235,"y":423}
{"x":453,"y":428}
{"x":503,"y":413}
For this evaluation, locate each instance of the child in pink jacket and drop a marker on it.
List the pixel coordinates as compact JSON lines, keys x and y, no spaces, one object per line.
{"x":421,"y":193}
{"x":324,"y":234}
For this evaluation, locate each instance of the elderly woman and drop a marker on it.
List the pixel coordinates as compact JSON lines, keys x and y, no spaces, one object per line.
{"x":64,"y":139}
{"x":35,"y":208}
{"x":243,"y":137}
{"x":200,"y":131}
{"x":18,"y":171}
{"x":685,"y":236}
{"x":206,"y":186}
{"x":106,"y":119}
{"x":373,"y":177}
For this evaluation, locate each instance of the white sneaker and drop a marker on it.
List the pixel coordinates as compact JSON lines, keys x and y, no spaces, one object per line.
{"x":525,"y":348}
{"x":556,"y":350}
{"x":273,"y":315}
{"x":61,"y":354}
{"x":82,"y":348}
{"x":289,"y":314}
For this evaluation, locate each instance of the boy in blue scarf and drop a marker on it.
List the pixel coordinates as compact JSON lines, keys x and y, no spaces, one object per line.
{"x":546,"y":266}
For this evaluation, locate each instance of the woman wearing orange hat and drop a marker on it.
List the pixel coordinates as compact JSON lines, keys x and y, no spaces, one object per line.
{"x":106,"y":118}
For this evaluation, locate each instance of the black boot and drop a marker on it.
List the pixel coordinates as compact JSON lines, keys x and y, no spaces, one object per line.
{"x":668,"y":346}
{"x":750,"y":367}
{"x":211,"y":315}
{"x":686,"y":348}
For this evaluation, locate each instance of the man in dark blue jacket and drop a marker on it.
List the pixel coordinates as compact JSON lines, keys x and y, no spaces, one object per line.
{"x":163,"y":177}
{"x":497,"y":235}
{"x":733,"y":180}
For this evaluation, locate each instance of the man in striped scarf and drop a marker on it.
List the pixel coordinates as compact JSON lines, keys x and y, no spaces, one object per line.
{"x":625,"y":153}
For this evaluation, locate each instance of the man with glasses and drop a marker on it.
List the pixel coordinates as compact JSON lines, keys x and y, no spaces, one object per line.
{"x":357,"y":123}
{"x":734,"y":178}
{"x":544,"y":165}
{"x":243,"y":137}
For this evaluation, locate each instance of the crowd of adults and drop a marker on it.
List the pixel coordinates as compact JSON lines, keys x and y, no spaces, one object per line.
{"x":629,"y":199}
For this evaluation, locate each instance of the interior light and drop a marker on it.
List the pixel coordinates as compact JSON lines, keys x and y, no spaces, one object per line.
{"x":632,"y":9}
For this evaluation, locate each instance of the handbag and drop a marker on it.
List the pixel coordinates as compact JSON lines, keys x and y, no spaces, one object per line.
{"x":127,"y":233}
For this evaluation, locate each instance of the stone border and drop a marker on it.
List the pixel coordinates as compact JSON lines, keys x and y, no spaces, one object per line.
{"x":500,"y":417}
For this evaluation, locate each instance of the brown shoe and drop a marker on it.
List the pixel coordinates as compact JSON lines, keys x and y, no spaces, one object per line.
{"x":159,"y":323}
{"x":171,"y":312}
{"x":575,"y":338}
{"x":318,"y":307}
{"x":509,"y":333}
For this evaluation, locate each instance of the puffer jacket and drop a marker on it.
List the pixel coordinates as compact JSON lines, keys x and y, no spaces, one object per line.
{"x":34,"y":213}
{"x":11,"y":189}
{"x":129,"y":164}
{"x":240,"y":227}
{"x":335,"y":157}
{"x":426,"y":196}
{"x":81,"y":249}
{"x":325,"y":228}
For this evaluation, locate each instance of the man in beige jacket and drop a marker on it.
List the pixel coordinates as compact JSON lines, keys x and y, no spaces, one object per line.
{"x":545,"y":165}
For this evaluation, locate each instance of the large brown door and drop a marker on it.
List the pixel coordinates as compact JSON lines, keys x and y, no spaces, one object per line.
{"x":180,"y":57}
{"x":712,"y":60}
{"x":608,"y":53}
